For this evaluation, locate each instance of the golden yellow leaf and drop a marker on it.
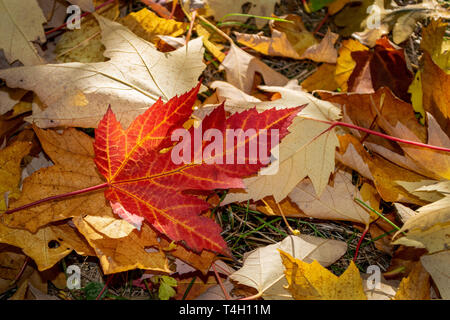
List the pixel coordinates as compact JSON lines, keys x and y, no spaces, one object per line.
{"x":209,"y":45}
{"x":345,"y":62}
{"x":322,"y":79}
{"x":10,"y":170}
{"x":314,"y":282}
{"x":335,"y":6}
{"x":416,"y":286}
{"x":415,"y":89}
{"x":433,"y":42}
{"x":148,"y":25}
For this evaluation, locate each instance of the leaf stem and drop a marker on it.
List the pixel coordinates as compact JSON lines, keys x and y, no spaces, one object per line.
{"x":376,"y":133}
{"x":59,"y":196}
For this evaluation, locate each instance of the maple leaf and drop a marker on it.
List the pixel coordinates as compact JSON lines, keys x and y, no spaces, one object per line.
{"x":149,"y":184}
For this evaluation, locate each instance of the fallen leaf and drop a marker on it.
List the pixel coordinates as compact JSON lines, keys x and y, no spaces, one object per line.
{"x":404,"y":212}
{"x":416,"y":286}
{"x":433,"y":42}
{"x":240,"y":68}
{"x":74,"y":169}
{"x":311,"y":281}
{"x":345,"y":63}
{"x":147,"y":25}
{"x":437,"y":266}
{"x":21,"y":24}
{"x":9,"y":98}
{"x":291,"y":41}
{"x":324,"y":51}
{"x":429,"y":228}
{"x":85,"y":5}
{"x":322,"y":79}
{"x":383,"y":290}
{"x":300,"y":155}
{"x":126,"y":253}
{"x":140,"y":189}
{"x":335,"y":203}
{"x":10,"y":170}
{"x":147,"y":75}
{"x":84,"y":44}
{"x":384,"y":67}
{"x":435,"y":88}
{"x":48,"y":245}
{"x":219,"y":9}
{"x":263,"y":269}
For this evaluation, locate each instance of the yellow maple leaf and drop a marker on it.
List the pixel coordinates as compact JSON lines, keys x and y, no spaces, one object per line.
{"x":345,"y":62}
{"x":314,"y":282}
{"x":416,"y":286}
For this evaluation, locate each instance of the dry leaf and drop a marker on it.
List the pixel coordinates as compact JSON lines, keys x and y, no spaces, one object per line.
{"x":335,"y":203}
{"x":127,"y":253}
{"x":322,"y":79}
{"x":74,"y":169}
{"x":10,"y":171}
{"x":240,"y":68}
{"x":429,"y":228}
{"x":48,"y":245}
{"x":263,"y":269}
{"x":416,"y":286}
{"x":324,"y":51}
{"x":300,"y":155}
{"x":148,"y":25}
{"x":345,"y":63}
{"x":85,"y":90}
{"x":314,"y":282}
{"x":219,"y":9}
{"x":437,"y":266}
{"x":21,"y":24}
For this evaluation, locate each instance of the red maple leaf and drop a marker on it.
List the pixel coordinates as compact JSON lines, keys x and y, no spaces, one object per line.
{"x":149,"y":184}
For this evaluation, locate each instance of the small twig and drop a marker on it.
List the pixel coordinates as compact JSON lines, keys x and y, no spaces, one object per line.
{"x":360,"y":241}
{"x":105,"y":286}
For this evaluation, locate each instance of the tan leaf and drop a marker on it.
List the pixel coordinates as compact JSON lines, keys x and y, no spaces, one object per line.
{"x":21,"y":24}
{"x":240,"y":68}
{"x":74,"y":169}
{"x":437,"y":266}
{"x":335,"y":203}
{"x":85,"y":5}
{"x":324,"y":51}
{"x":263,"y":268}
{"x":48,"y":245}
{"x":134,"y":78}
{"x":429,"y":228}
{"x":314,"y":282}
{"x":9,"y":98}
